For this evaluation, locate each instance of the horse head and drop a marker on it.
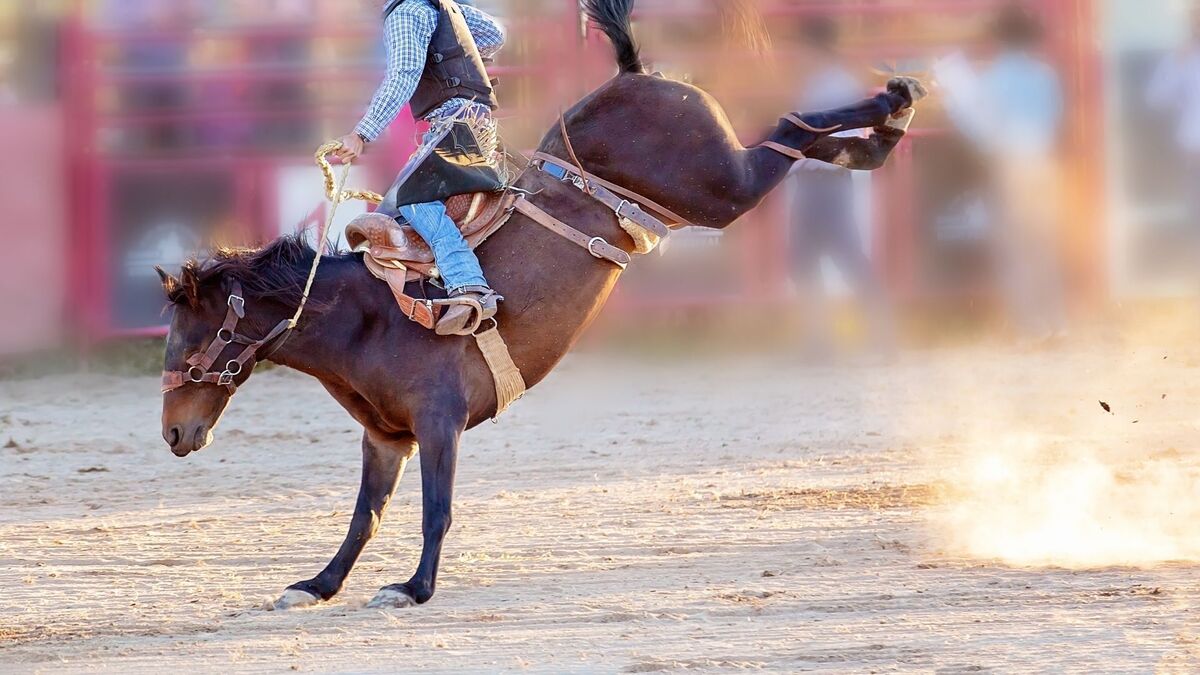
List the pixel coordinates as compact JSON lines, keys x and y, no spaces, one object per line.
{"x":215,"y":341}
{"x":199,"y":304}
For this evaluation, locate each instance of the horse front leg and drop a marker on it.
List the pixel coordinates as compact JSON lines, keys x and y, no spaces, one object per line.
{"x":438,"y":436}
{"x":384,"y":459}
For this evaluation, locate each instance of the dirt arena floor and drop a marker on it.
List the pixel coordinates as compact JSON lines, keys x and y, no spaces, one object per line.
{"x":633,"y":515}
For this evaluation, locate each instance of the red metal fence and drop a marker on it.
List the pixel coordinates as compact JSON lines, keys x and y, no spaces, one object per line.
{"x":180,"y":132}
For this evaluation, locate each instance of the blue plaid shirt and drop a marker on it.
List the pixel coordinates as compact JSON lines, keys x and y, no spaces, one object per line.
{"x":407,"y":34}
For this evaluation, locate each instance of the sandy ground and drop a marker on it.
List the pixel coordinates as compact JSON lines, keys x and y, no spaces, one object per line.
{"x":747,"y":513}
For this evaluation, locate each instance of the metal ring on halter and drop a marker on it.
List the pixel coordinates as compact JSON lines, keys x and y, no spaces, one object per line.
{"x":229,"y":368}
{"x":592,"y":246}
{"x":192,"y":377}
{"x":221,"y":333}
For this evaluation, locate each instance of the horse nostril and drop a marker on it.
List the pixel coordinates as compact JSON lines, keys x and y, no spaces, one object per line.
{"x":173,"y":436}
{"x":201,"y":437}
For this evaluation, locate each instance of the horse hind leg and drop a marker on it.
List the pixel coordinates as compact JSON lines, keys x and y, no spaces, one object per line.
{"x":438,"y":436}
{"x":384,"y":459}
{"x":800,"y":131}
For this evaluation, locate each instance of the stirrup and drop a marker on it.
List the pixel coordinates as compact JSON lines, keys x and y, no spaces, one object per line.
{"x":466,"y":311}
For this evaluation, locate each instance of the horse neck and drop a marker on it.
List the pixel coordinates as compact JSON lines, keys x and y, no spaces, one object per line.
{"x":312,"y":347}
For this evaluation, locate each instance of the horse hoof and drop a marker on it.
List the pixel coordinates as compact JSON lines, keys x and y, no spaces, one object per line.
{"x":391,"y":598}
{"x":294,"y":598}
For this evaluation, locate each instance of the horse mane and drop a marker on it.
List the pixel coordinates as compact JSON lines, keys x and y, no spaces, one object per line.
{"x":614,"y":18}
{"x":277,"y":271}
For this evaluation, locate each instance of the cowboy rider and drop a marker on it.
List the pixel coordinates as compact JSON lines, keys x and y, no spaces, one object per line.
{"x":435,"y":52}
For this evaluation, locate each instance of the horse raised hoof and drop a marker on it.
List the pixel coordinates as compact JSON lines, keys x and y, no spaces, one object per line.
{"x":294,"y":598}
{"x":392,"y":597}
{"x":908,"y":87}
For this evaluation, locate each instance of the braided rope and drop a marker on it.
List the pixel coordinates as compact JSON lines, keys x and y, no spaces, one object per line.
{"x":331,"y":188}
{"x":337,"y":193}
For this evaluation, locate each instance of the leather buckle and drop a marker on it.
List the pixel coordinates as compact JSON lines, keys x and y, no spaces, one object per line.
{"x":592,"y":246}
{"x":634,"y":208}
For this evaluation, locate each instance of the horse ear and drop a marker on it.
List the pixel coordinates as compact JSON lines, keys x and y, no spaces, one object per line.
{"x":189,"y":283}
{"x":171,"y":285}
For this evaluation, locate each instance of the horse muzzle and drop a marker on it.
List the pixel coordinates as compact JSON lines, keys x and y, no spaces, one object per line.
{"x":184,"y":440}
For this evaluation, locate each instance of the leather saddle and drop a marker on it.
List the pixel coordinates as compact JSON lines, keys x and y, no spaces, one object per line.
{"x":389,"y":246}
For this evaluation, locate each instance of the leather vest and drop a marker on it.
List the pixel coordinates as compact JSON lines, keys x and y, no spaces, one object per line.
{"x":453,"y":66}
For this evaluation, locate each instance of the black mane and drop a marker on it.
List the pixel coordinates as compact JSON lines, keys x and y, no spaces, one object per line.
{"x":276,"y":271}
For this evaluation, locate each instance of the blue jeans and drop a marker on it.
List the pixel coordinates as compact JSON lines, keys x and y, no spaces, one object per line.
{"x":455,"y":260}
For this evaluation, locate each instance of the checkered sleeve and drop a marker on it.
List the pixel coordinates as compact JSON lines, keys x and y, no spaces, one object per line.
{"x":488,"y":32}
{"x":407,"y":33}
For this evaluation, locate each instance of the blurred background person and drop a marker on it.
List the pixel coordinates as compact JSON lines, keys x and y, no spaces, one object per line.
{"x":1012,"y":114}
{"x":1175,"y":88}
{"x":824,"y":212}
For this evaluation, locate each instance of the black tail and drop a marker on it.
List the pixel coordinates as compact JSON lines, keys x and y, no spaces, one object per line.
{"x":613,"y":17}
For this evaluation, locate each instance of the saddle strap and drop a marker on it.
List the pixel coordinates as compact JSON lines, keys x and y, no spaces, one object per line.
{"x":623,"y":202}
{"x":424,"y":312}
{"x":795,"y":119}
{"x":597,"y":246}
{"x":510,"y":385}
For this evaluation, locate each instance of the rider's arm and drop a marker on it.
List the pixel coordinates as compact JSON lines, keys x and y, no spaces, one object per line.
{"x":407,"y":33}
{"x":487,"y":31}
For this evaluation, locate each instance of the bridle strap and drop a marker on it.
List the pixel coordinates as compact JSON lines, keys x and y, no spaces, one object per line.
{"x":237,"y":310}
{"x":202,"y":362}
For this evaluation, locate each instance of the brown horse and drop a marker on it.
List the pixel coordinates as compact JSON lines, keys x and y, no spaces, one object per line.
{"x":416,"y":393}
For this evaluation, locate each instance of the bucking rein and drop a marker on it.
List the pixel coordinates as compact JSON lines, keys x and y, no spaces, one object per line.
{"x":646,"y":231}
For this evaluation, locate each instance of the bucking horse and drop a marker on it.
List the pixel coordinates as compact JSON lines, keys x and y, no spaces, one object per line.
{"x":415,"y":393}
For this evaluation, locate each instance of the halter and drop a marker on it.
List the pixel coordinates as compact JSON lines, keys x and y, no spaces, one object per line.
{"x":201,"y":370}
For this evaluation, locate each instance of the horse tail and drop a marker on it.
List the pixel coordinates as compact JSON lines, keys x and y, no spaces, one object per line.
{"x":613,"y":17}
{"x":744,"y":25}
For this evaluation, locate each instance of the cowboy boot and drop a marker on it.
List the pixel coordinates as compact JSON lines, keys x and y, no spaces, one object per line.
{"x":459,"y":319}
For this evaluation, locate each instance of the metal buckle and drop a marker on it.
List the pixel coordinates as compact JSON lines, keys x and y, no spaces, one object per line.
{"x":225,"y":379}
{"x":634,"y":208}
{"x":238,"y":304}
{"x":591,"y":247}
